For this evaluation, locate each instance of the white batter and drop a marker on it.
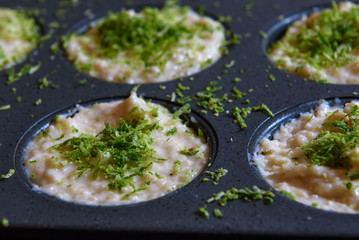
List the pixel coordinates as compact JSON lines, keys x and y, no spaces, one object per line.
{"x":283,"y":164}
{"x":189,"y":57}
{"x":49,"y":173}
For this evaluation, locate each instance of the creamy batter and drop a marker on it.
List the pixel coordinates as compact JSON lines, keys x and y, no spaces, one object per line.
{"x":198,"y":48}
{"x":179,"y":155}
{"x":19,"y":35}
{"x":282,"y":162}
{"x":316,"y":60}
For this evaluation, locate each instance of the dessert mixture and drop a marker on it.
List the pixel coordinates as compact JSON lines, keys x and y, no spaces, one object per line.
{"x":116,"y":153}
{"x":154,"y":45}
{"x":315,"y":159}
{"x":19,"y":35}
{"x":323,"y":46}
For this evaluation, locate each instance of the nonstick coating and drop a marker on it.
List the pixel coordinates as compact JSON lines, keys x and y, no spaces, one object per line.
{"x":175,"y":215}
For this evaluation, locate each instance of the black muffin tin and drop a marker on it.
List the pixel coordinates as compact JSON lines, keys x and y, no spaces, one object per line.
{"x":175,"y":215}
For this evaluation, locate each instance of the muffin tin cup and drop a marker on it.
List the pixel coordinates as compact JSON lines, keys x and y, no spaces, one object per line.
{"x":193,"y":120}
{"x":176,"y":214}
{"x":271,"y":126}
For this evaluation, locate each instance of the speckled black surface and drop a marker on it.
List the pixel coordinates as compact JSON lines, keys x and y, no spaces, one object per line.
{"x":31,"y":213}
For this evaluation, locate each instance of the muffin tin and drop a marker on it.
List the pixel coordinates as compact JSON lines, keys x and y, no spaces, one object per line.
{"x":176,"y":214}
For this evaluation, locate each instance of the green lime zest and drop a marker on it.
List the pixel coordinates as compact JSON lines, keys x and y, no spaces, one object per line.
{"x":17,"y":25}
{"x":150,"y":37}
{"x":332,"y":146}
{"x":324,"y":41}
{"x":118,"y":153}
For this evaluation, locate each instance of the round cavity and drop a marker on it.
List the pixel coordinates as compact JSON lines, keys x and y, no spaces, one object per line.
{"x":281,"y":153}
{"x":171,"y":173}
{"x":299,"y":43}
{"x":20,"y":35}
{"x":181,"y":50}
{"x":276,"y":29}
